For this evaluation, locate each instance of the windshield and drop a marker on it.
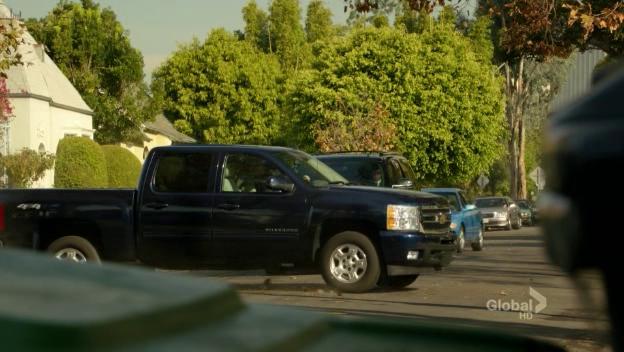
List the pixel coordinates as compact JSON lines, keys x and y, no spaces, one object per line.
{"x":523,"y":204}
{"x":309,"y":169}
{"x":359,"y":171}
{"x":490,"y":202}
{"x":451,"y":197}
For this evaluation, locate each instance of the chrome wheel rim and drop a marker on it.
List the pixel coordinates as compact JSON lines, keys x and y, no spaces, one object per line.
{"x":348,"y":263}
{"x":461,"y":242}
{"x":71,"y":255}
{"x":480,"y":238}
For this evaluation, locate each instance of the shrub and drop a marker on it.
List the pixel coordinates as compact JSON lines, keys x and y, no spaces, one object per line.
{"x":123,"y":167}
{"x":80,"y":163}
{"x":25,"y":167}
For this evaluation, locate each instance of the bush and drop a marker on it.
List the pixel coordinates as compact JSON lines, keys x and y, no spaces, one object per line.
{"x":80,"y":163}
{"x":446,"y":105}
{"x":25,"y":167}
{"x":123,"y":167}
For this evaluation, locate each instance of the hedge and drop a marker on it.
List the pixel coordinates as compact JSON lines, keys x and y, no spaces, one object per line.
{"x":123,"y":167}
{"x":80,"y":163}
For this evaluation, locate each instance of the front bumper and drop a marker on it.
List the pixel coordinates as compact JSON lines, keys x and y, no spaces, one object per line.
{"x":495,"y":222}
{"x":434,"y":251}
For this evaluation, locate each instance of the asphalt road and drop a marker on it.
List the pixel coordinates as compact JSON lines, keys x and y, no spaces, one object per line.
{"x":511,"y":263}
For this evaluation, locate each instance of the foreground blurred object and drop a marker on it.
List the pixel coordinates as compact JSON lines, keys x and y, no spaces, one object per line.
{"x":50,"y":305}
{"x":585,"y":150}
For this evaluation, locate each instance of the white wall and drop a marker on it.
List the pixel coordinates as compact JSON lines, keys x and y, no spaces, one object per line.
{"x":36,"y":124}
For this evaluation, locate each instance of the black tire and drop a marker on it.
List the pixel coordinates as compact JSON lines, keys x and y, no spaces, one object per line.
{"x":80,"y":244}
{"x":370,"y":276}
{"x":400,"y":281}
{"x":479,"y":244}
{"x":518,"y":224}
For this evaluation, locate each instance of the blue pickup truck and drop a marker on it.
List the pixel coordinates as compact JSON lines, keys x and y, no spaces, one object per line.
{"x":466,"y":224}
{"x":220,"y":206}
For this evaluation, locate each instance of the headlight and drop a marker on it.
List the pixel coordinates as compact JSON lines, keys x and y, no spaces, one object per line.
{"x":403,"y":218}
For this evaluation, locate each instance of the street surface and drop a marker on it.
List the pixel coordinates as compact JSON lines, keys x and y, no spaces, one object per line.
{"x":512,"y":262}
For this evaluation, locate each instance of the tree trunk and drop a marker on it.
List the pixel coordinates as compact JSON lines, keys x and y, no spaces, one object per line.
{"x":516,"y":91}
{"x":522,"y":184}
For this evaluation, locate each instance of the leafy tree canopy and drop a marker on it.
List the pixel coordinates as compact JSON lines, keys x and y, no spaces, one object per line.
{"x":447,"y":106}
{"x":223,"y":90}
{"x":92,"y":49}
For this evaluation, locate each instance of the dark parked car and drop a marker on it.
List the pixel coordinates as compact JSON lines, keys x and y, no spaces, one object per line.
{"x":499,"y":212}
{"x":377,"y":169}
{"x":527,"y":212}
{"x":240,"y":207}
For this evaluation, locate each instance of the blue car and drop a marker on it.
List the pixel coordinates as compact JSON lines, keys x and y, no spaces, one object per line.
{"x":466,"y":220}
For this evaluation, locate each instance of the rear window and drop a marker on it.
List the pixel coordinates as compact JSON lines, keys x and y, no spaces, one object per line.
{"x":183,"y":173}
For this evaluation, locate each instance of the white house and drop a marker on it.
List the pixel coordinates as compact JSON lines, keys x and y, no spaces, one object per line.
{"x":46,"y":106}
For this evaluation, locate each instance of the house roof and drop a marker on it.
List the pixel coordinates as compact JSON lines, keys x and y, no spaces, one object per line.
{"x":39,"y":77}
{"x":163,"y":126}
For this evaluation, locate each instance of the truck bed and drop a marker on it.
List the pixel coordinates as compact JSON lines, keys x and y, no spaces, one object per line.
{"x":34,"y":218}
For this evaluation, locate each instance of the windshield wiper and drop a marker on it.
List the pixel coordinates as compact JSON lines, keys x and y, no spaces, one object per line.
{"x":342,"y":183}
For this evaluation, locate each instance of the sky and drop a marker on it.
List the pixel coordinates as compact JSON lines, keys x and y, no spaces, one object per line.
{"x":156,"y":27}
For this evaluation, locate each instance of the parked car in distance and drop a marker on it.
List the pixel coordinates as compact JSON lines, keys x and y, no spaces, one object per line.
{"x":234,"y":207}
{"x":466,"y":222}
{"x":527,"y":212}
{"x":377,"y":169}
{"x":499,"y":212}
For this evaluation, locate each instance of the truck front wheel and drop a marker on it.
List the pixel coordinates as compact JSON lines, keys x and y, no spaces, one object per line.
{"x":74,"y":249}
{"x":350,"y":262}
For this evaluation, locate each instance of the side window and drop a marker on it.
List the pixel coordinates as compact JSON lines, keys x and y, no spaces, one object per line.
{"x":246,"y":173}
{"x":394,"y":172}
{"x":183,"y":173}
{"x":407,"y":171}
{"x":463,"y":199}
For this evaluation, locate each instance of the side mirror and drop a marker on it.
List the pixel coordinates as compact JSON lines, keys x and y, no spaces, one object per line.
{"x":470,"y":207}
{"x":278,"y":183}
{"x":404,"y":184}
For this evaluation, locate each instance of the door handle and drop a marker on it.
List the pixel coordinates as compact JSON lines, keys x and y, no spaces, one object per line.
{"x":228,"y":206}
{"x":156,"y":205}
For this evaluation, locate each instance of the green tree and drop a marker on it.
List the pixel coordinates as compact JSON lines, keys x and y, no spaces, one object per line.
{"x":287,"y":35}
{"x":123,"y":167}
{"x":256,"y":26}
{"x":92,"y":49}
{"x":318,"y":24}
{"x":80,"y":163}
{"x":447,"y":106}
{"x":223,"y":90}
{"x":25,"y":167}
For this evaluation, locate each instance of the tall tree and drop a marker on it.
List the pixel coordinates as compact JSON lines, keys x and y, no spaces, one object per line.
{"x":256,"y":26}
{"x":92,"y":49}
{"x":287,"y":34}
{"x":222,"y":90}
{"x":318,"y":24}
{"x":446,"y":106}
{"x":534,"y":30}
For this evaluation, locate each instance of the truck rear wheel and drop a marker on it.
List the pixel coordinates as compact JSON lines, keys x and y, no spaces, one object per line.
{"x":400,"y":281}
{"x":74,"y":249}
{"x":350,"y":262}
